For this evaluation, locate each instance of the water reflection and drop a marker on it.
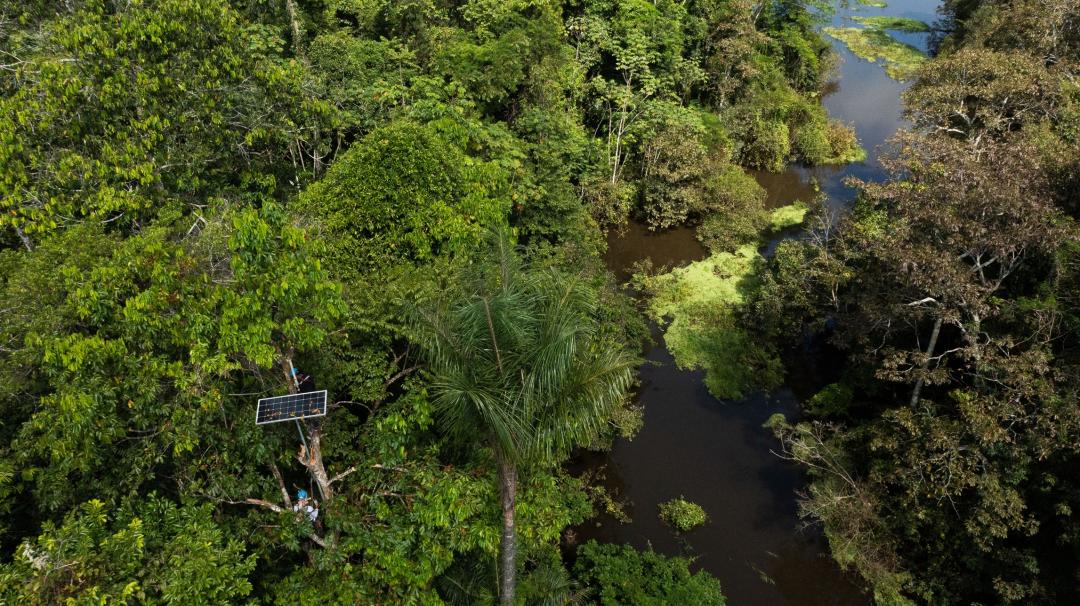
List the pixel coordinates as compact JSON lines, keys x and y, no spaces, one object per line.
{"x":717,"y":455}
{"x":786,"y":187}
{"x":634,"y":243}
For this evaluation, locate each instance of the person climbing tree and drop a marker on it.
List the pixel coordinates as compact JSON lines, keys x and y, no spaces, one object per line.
{"x":306,"y":505}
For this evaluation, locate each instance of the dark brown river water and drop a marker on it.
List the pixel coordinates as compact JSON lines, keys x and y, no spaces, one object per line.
{"x":715,"y":452}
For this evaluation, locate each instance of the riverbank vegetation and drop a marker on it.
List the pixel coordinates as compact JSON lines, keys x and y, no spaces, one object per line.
{"x":944,"y":457}
{"x":202,"y":196}
{"x":622,"y":575}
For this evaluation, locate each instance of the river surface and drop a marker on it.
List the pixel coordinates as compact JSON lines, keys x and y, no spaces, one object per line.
{"x":716,"y":453}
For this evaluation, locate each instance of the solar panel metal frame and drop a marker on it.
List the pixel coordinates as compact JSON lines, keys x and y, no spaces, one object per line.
{"x":306,"y":397}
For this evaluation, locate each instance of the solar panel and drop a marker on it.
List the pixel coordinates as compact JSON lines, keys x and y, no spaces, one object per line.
{"x":292,"y":406}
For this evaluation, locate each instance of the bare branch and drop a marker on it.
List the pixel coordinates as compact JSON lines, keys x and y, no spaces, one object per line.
{"x":281,"y":484}
{"x":343,"y":475}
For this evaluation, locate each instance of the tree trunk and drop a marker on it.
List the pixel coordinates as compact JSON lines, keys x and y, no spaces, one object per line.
{"x":508,"y":545}
{"x":310,"y":455}
{"x":27,"y":242}
{"x":926,"y":363}
{"x":294,"y":23}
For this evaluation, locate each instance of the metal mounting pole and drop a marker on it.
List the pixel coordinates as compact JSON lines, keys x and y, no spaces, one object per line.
{"x":301,"y":432}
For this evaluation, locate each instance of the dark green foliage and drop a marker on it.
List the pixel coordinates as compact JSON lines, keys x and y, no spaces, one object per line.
{"x":621,"y":575}
{"x":737,"y":213}
{"x":425,"y":516}
{"x":549,"y":207}
{"x":202,"y":192}
{"x":551,"y":584}
{"x":404,"y":194}
{"x":165,"y":317}
{"x":758,"y":66}
{"x":769,"y":144}
{"x":676,"y":162}
{"x":112,"y":111}
{"x":943,"y":461}
{"x":519,"y":359}
{"x":831,"y":402}
{"x":805,"y":54}
{"x":157,"y":554}
{"x":365,"y":79}
{"x":490,"y":70}
{"x":945,"y":418}
{"x":799,"y":289}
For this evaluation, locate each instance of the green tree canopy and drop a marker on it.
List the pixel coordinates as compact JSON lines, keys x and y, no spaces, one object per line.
{"x":146,"y":345}
{"x":115,"y":109}
{"x":404,"y":194}
{"x":622,"y":575}
{"x":156,"y":554}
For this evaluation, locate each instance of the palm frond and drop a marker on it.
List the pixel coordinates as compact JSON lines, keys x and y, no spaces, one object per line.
{"x":518,"y":359}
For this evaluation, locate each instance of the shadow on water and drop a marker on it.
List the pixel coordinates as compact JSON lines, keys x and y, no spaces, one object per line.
{"x":634,"y":243}
{"x":717,"y":453}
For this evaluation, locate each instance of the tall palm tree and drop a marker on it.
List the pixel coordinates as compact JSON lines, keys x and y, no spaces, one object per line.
{"x":519,"y":361}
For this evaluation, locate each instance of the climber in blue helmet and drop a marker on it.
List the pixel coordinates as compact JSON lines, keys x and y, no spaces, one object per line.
{"x":307,"y":505}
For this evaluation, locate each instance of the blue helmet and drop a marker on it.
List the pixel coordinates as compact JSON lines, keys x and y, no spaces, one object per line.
{"x":301,"y":494}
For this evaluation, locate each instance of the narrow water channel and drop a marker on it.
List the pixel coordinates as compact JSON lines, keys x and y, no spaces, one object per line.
{"x":715,"y":452}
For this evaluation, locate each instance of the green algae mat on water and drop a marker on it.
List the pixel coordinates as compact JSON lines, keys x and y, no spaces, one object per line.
{"x":873,"y":43}
{"x":699,"y":303}
{"x":788,"y":216}
{"x":897,"y":24}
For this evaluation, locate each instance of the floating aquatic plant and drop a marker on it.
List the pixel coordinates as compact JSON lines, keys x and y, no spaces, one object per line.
{"x":682,"y":515}
{"x":788,"y":216}
{"x":899,"y":59}
{"x":898,"y":24}
{"x":698,"y":302}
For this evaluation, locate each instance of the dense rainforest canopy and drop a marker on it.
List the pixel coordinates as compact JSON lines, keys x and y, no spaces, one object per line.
{"x":405,"y":202}
{"x":946,"y":458}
